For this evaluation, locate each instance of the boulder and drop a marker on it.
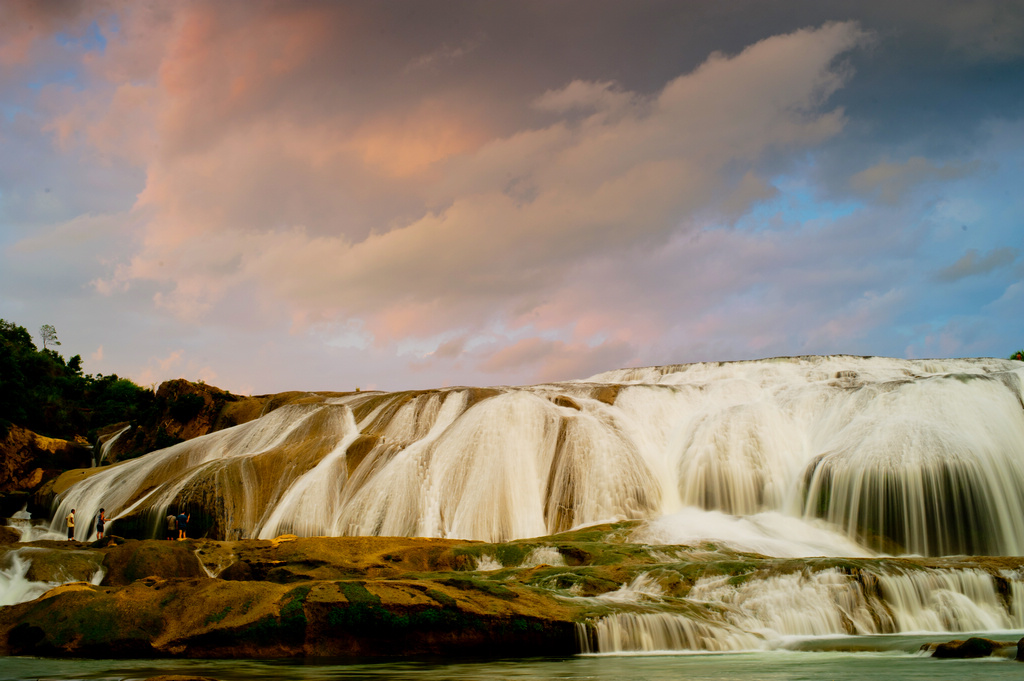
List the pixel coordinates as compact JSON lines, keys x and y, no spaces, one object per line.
{"x":27,"y":459}
{"x":134,"y":560}
{"x":971,"y":648}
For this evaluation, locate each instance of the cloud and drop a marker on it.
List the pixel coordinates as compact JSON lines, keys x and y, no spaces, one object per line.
{"x":425,"y":195}
{"x":627,"y":175}
{"x":24,"y":25}
{"x":554,"y":360}
{"x":891,"y":181}
{"x":972,"y":264}
{"x":450,"y":349}
{"x":445,"y":55}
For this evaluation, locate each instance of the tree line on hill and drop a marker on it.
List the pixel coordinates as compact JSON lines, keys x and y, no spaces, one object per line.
{"x":51,"y":396}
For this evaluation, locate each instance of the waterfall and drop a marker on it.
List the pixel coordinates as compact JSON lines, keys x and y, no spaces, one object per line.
{"x":793,"y":456}
{"x":107,"y":445}
{"x":764,"y":610}
{"x":17,"y":587}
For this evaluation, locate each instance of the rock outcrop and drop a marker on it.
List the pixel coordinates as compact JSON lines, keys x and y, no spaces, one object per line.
{"x":28,"y":460}
{"x":322,"y":597}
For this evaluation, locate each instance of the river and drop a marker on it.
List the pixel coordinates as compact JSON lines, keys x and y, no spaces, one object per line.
{"x":878,"y":657}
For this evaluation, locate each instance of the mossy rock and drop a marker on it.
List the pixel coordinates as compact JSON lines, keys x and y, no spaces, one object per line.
{"x":55,"y":565}
{"x":135,"y":560}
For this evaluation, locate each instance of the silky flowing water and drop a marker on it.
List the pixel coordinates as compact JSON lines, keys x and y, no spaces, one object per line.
{"x":921,"y":457}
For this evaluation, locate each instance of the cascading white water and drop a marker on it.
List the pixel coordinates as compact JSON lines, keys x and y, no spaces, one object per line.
{"x":108,"y":444}
{"x":15,"y":585}
{"x":763,"y":611}
{"x":858,"y":455}
{"x":648,"y":632}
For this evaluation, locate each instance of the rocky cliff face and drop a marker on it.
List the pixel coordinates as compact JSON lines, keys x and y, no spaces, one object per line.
{"x":28,"y":460}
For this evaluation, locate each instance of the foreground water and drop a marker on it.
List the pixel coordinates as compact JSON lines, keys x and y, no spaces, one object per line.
{"x":888,"y":658}
{"x":849,"y":658}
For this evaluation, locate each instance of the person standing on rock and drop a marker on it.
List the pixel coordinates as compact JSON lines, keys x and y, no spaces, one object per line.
{"x":71,"y":524}
{"x":101,"y":520}
{"x":182,"y":524}
{"x":172,"y":525}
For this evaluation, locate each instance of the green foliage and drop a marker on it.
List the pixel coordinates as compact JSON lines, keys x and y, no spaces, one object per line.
{"x":1019,"y":356}
{"x":41,"y":391}
{"x":164,"y":440}
{"x":186,"y":407}
{"x":49,"y":335}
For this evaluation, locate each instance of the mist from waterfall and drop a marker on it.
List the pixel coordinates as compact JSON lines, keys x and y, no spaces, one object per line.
{"x":789,"y":457}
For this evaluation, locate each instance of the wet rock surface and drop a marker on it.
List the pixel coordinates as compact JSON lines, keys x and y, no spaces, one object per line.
{"x":974,"y":647}
{"x":321,"y":597}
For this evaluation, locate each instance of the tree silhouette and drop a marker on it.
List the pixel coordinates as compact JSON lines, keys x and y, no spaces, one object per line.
{"x":49,"y":335}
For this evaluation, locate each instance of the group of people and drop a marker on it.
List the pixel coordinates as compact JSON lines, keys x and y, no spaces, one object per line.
{"x":177,"y":525}
{"x":101,"y":520}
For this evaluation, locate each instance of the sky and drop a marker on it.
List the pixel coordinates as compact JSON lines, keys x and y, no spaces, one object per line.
{"x":271,"y":196}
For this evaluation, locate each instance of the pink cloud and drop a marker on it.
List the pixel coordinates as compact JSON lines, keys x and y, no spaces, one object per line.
{"x":554,"y":360}
{"x":421,"y":217}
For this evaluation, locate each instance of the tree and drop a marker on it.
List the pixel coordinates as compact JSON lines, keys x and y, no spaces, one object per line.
{"x":1019,"y":355}
{"x":49,"y":335}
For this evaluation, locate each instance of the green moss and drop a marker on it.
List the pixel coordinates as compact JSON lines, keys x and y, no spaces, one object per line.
{"x":738,"y":580}
{"x":512,"y":553}
{"x":356,"y":592}
{"x":218,"y":616}
{"x":289,"y":626}
{"x":442,"y":598}
{"x":292,"y":612}
{"x":247,"y":605}
{"x":489,"y":588}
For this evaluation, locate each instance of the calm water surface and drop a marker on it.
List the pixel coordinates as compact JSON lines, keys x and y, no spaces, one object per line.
{"x":878,"y":658}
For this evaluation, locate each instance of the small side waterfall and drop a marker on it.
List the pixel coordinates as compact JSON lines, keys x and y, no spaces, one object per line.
{"x":18,"y":586}
{"x":763,"y":611}
{"x":867,"y":454}
{"x":107,"y":445}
